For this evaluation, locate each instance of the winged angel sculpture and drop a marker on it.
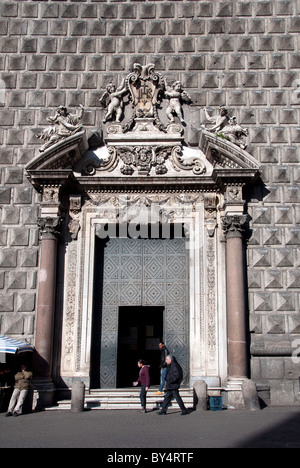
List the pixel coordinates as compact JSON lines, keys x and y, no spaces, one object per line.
{"x":145,"y":88}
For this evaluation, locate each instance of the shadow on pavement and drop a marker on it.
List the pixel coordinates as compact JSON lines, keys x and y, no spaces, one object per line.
{"x":280,"y":436}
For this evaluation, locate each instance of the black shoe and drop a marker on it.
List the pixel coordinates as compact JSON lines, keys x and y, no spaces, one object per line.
{"x":162,"y":412}
{"x":184,"y":412}
{"x":8,"y":414}
{"x":16,"y":414}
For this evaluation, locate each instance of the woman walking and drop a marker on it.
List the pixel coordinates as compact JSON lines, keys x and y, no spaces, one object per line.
{"x":144,"y":380}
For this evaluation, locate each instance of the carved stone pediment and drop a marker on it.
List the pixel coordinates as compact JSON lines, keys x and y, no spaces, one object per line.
{"x":228,"y":159}
{"x":54,"y":163}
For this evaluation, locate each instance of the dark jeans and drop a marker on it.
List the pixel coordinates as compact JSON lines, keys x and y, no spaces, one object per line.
{"x":143,"y":396}
{"x":168,"y":397}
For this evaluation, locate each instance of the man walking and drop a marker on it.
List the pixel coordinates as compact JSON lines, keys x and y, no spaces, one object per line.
{"x":163,"y":366}
{"x":173,"y":381}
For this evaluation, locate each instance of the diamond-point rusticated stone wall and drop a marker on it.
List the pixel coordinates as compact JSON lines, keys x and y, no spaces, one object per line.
{"x":244,"y":54}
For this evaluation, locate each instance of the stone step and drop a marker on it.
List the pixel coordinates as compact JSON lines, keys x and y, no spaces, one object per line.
{"x":125,"y":399}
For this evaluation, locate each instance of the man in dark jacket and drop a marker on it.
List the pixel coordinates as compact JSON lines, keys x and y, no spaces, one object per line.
{"x":173,"y":381}
{"x":163,"y":367}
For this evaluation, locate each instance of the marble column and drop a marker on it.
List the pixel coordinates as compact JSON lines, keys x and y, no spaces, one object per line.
{"x":236,"y":296}
{"x":45,"y":310}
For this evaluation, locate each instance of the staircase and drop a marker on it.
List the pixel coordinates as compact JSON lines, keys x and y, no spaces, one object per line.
{"x":121,"y":399}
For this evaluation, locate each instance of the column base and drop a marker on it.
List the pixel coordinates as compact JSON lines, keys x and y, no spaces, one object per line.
{"x":234,"y":390}
{"x":44,"y":392}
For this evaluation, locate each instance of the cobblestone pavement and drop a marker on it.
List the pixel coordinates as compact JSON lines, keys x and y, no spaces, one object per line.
{"x":269,"y":428}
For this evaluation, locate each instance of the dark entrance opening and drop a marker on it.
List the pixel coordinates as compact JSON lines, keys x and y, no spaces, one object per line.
{"x":140,"y":330}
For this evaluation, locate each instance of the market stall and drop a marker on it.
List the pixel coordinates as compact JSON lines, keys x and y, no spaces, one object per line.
{"x":12,"y":354}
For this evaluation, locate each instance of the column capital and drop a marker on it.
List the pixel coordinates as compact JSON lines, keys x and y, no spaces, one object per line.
{"x":49,"y":227}
{"x":234,"y":225}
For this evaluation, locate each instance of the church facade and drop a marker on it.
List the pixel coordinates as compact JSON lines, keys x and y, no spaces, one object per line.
{"x":150,"y":191}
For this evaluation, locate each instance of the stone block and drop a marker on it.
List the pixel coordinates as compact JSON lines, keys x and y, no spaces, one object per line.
{"x":69,"y":11}
{"x":285,"y":258}
{"x":29,"y":10}
{"x":50,"y":10}
{"x":48,"y":81}
{"x":275,"y":325}
{"x":137,"y":28}
{"x":8,"y":258}
{"x":16,"y":99}
{"x":262,"y":258}
{"x":3,"y":237}
{"x":26,"y":302}
{"x":166,"y":10}
{"x":293,"y":281}
{"x":39,"y":28}
{"x":6,"y":156}
{"x":272,"y":236}
{"x":216,"y":26}
{"x":116,"y":28}
{"x":13,"y":175}
{"x":76,"y":63}
{"x":6,"y":302}
{"x":9,"y":9}
{"x":88,"y":45}
{"x":107,"y":45}
{"x":263,"y":302}
{"x":28,"y":80}
{"x":69,"y":80}
{"x":97,"y":28}
{"x":126,"y":45}
{"x":158,"y":28}
{"x":18,"y":27}
{"x":146,"y":45}
{"x":57,"y":63}
{"x":285,"y":302}
{"x":96,"y":63}
{"x":147,"y":11}
{"x":108,"y":11}
{"x":293,"y":236}
{"x":37,"y":62}
{"x":48,"y":45}
{"x":204,"y":9}
{"x":237,"y":61}
{"x":8,"y":45}
{"x":20,"y":237}
{"x":17,"y":280}
{"x":88,"y":11}
{"x":58,"y":28}
{"x":290,"y":155}
{"x":23,"y":195}
{"x":16,"y":62}
{"x":28,"y":257}
{"x":273,"y":279}
{"x":28,"y":46}
{"x":78,"y":28}
{"x":2,"y":278}
{"x":5,"y":195}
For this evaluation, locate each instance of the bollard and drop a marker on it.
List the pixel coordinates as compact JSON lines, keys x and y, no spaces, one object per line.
{"x":77,"y":402}
{"x":200,"y":395}
{"x":251,"y":399}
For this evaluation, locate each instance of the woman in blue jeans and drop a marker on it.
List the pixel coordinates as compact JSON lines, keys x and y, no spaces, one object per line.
{"x":144,"y":380}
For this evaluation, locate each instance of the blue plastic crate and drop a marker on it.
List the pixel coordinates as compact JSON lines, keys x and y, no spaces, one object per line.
{"x":215,"y":403}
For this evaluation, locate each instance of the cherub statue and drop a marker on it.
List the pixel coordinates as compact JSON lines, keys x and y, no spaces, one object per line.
{"x":234,"y":133}
{"x":116,"y":104}
{"x":175,"y":95}
{"x":64,"y":124}
{"x":220,"y":121}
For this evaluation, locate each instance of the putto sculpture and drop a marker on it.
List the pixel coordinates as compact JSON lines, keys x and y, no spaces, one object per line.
{"x":227,"y":127}
{"x":146,"y":89}
{"x":63,"y":125}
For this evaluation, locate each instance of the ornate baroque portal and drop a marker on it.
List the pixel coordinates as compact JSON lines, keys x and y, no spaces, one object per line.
{"x":151,"y":183}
